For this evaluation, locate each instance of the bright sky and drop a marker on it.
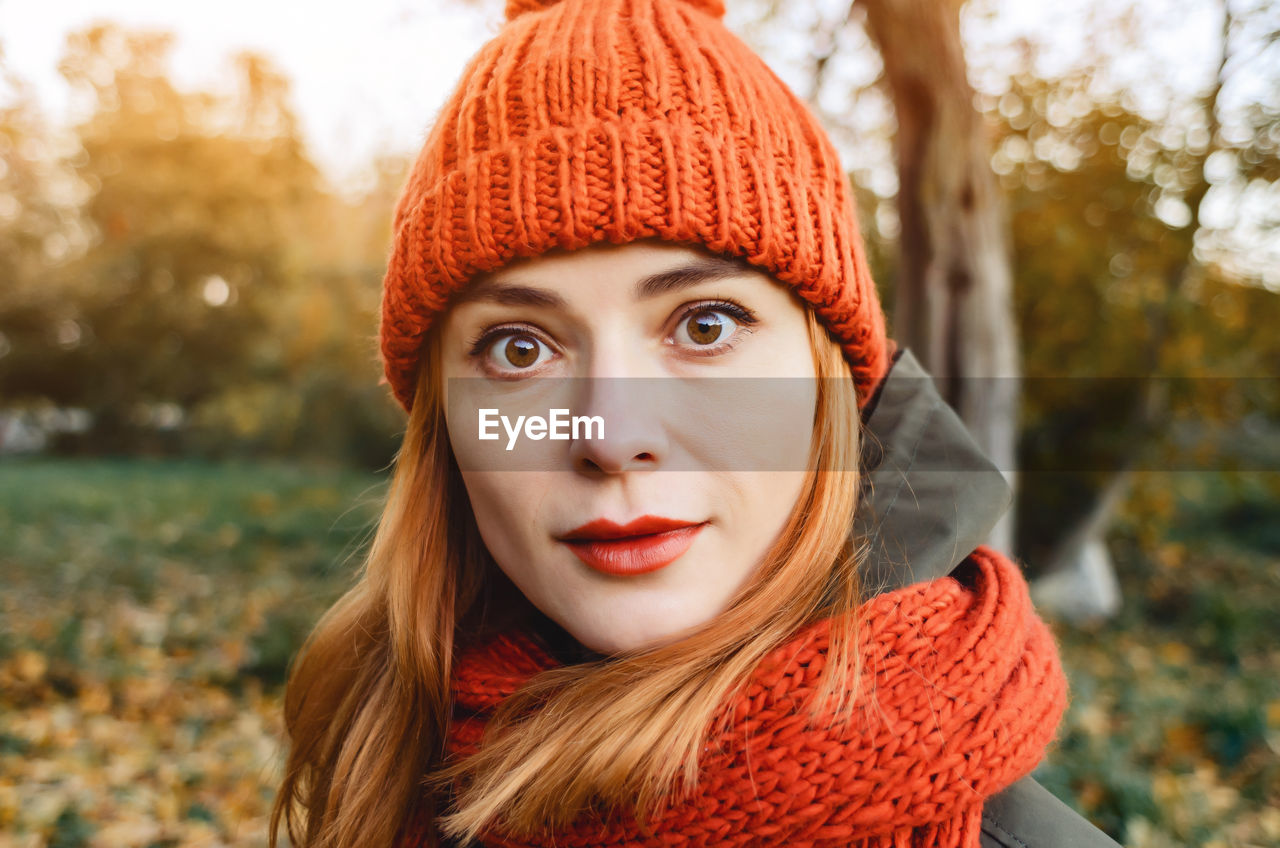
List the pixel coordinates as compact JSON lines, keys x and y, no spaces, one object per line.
{"x":369,"y":76}
{"x":366,"y":76}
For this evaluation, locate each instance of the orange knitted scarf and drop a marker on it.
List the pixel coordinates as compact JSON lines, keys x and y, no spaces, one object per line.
{"x":962,"y":692}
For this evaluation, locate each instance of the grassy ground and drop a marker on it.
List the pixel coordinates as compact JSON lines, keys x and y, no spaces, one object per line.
{"x":148,"y":617}
{"x":1173,"y":733}
{"x":150,"y":609}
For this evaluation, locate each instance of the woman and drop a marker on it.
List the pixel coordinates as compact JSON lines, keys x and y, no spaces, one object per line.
{"x":627,"y":250}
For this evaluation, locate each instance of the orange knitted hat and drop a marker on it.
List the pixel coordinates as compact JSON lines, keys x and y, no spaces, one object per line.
{"x":615,"y":120}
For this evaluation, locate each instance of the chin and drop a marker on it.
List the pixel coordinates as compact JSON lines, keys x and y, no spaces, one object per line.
{"x":650,"y":631}
{"x":616,"y":644}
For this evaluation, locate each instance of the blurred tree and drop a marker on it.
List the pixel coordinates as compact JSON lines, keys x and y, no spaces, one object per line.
{"x":192,"y":201}
{"x":1137,"y":345}
{"x":1108,"y":239}
{"x":180,"y":270}
{"x":38,"y":208}
{"x":322,"y":396}
{"x":953,"y":305}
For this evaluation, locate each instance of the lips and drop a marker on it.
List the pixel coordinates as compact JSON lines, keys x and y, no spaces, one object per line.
{"x":646,"y":544}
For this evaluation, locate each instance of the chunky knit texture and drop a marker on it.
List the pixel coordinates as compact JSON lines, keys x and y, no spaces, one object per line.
{"x":585,"y":121}
{"x":962,"y":692}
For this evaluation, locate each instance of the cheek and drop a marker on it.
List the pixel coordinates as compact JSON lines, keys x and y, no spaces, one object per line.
{"x":786,"y":490}
{"x":506,"y":505}
{"x":741,"y":425}
{"x":767,"y":501}
{"x":461,"y":424}
{"x":754,"y":516}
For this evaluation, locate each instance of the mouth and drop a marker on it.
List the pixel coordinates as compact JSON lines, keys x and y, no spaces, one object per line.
{"x":638,"y":547}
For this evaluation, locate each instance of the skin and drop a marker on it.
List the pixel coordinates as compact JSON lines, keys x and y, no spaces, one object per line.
{"x":679,"y":448}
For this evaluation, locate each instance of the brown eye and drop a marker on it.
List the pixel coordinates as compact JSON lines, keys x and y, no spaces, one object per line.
{"x":516,"y":352}
{"x":521,"y":351}
{"x":704,"y":328}
{"x":707,"y":327}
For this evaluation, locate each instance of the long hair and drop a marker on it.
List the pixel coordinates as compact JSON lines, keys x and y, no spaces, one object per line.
{"x":367,"y":701}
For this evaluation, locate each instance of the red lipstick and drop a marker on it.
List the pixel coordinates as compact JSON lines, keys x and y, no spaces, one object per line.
{"x":637,"y":547}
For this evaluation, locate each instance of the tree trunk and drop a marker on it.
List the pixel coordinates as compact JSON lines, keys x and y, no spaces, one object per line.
{"x":954,"y":303}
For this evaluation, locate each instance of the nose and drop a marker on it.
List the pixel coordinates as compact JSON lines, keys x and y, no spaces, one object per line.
{"x":634,"y":437}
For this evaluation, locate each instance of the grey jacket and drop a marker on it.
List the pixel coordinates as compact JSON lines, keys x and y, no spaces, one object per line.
{"x":929,"y":498}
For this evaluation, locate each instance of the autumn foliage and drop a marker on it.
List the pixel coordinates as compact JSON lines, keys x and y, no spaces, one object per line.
{"x":189,"y":307}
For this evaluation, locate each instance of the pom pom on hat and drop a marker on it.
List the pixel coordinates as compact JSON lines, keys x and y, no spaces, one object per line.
{"x":515,"y":8}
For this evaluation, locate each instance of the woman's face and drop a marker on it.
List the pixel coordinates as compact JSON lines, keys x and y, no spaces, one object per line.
{"x":642,"y":523}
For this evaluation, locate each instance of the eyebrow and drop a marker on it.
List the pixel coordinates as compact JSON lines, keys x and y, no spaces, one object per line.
{"x":704,"y":269}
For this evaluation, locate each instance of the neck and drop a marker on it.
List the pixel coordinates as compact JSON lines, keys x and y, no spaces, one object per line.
{"x":560,"y":643}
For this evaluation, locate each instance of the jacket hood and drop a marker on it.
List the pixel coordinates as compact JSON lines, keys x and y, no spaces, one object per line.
{"x":929,"y":494}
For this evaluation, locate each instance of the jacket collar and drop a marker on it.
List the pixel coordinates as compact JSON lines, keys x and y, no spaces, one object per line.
{"x":929,"y":494}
